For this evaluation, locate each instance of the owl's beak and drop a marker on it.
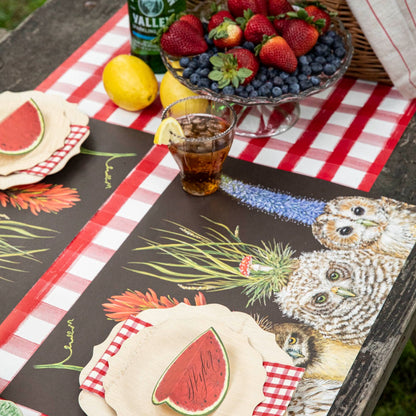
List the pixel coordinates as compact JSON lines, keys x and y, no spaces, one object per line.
{"x":345,"y":293}
{"x":295,"y":353}
{"x":368,"y":223}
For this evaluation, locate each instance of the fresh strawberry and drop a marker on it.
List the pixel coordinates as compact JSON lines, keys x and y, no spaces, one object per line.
{"x":194,"y":21}
{"x":237,"y":67}
{"x":255,"y":26}
{"x":237,"y":7}
{"x":319,"y":11}
{"x":180,"y":38}
{"x":280,"y":23}
{"x":302,"y":32}
{"x":217,"y":18}
{"x":274,"y":51}
{"x":226,"y":35}
{"x":277,"y":7}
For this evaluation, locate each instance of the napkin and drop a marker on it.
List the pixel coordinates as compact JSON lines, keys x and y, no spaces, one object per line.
{"x":44,"y":168}
{"x":390,"y":28}
{"x":278,"y":389}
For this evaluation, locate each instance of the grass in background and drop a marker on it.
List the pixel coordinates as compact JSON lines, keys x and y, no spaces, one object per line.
{"x":12,"y":12}
{"x":399,"y":396}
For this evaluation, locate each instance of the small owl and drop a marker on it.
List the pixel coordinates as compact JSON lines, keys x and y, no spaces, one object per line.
{"x":321,"y":357}
{"x":313,"y":397}
{"x":339,"y":293}
{"x":382,"y":225}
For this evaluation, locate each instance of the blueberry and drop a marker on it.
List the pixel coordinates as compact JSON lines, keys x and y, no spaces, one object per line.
{"x":285,"y":88}
{"x":204,"y":59}
{"x":204,"y":72}
{"x":214,"y":86}
{"x":339,"y":52}
{"x":303,"y":60}
{"x":294,"y":88}
{"x":253,"y":94}
{"x":264,"y":91}
{"x":321,"y":49}
{"x":302,"y":77}
{"x":327,"y":40}
{"x":194,"y":78}
{"x":262,"y":78}
{"x":239,"y":89}
{"x":305,"y":69}
{"x":329,"y":69}
{"x":184,"y":61}
{"x":187,"y":72}
{"x":249,"y":88}
{"x":305,"y":84}
{"x":331,"y":33}
{"x":314,"y":81}
{"x":268,"y":85}
{"x":316,"y":68}
{"x":228,"y":90}
{"x":320,"y":60}
{"x":193,"y":64}
{"x":256,"y":83}
{"x":277,"y":81}
{"x":248,"y":45}
{"x":272,"y":72}
{"x":204,"y":83}
{"x":283,"y":75}
{"x":276,"y":92}
{"x":291,"y":80}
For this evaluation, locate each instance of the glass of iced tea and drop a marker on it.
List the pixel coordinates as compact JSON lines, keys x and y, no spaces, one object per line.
{"x":208,"y":124}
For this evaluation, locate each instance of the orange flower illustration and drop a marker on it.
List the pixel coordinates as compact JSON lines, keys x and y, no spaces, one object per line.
{"x":39,"y":197}
{"x":120,"y":307}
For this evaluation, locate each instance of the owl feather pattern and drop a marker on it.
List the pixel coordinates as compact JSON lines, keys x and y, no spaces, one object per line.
{"x":339,"y":293}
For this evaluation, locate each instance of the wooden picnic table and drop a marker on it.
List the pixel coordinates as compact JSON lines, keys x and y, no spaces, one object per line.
{"x":40,"y":44}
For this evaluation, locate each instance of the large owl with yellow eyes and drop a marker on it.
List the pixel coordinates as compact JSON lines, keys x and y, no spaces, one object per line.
{"x":339,"y":292}
{"x":382,"y":225}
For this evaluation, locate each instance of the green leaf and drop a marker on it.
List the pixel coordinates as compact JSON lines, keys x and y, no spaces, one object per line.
{"x":217,"y":60}
{"x":215,"y":75}
{"x":223,"y":83}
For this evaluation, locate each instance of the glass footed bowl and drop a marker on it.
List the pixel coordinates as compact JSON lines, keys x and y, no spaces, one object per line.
{"x":268,"y":116}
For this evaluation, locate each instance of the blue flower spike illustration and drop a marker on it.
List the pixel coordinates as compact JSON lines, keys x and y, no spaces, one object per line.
{"x":382,"y":225}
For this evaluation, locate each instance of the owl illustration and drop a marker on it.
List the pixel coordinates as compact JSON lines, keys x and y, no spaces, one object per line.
{"x":321,"y":357}
{"x":348,"y":222}
{"x":313,"y":397}
{"x":339,"y":292}
{"x":382,"y":225}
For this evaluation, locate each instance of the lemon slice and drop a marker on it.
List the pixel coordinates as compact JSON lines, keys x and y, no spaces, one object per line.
{"x":169,"y":131}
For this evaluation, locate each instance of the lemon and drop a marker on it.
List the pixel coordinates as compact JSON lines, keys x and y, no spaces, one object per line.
{"x":130,"y":82}
{"x":169,"y":130}
{"x":172,"y":90}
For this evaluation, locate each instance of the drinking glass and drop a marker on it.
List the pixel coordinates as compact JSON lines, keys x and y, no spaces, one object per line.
{"x":208,"y":124}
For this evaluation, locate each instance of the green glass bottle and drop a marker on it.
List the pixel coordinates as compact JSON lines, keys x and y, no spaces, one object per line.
{"x":146,"y":18}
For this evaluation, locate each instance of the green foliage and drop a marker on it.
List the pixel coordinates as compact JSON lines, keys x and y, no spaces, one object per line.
{"x":399,"y":396}
{"x":13,"y":12}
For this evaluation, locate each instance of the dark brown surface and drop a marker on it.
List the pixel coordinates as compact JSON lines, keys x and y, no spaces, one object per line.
{"x":38,"y":46}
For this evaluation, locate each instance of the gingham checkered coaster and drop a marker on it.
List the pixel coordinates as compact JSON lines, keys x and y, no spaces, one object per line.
{"x":278,"y":388}
{"x":44,"y":168}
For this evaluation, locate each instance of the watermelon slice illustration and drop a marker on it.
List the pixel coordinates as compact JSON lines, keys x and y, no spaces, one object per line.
{"x":196,"y":382}
{"x":22,"y":130}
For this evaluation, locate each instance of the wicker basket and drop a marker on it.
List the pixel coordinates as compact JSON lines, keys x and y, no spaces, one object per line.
{"x":364,"y":63}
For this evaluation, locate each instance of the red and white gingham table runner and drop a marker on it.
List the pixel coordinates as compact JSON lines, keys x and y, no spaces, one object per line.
{"x":344,"y":135}
{"x":278,"y":389}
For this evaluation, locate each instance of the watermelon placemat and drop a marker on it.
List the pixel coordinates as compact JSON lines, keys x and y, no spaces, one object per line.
{"x":345,"y":134}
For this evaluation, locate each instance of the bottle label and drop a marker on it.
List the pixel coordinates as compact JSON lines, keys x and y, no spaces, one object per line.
{"x":146,"y":18}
